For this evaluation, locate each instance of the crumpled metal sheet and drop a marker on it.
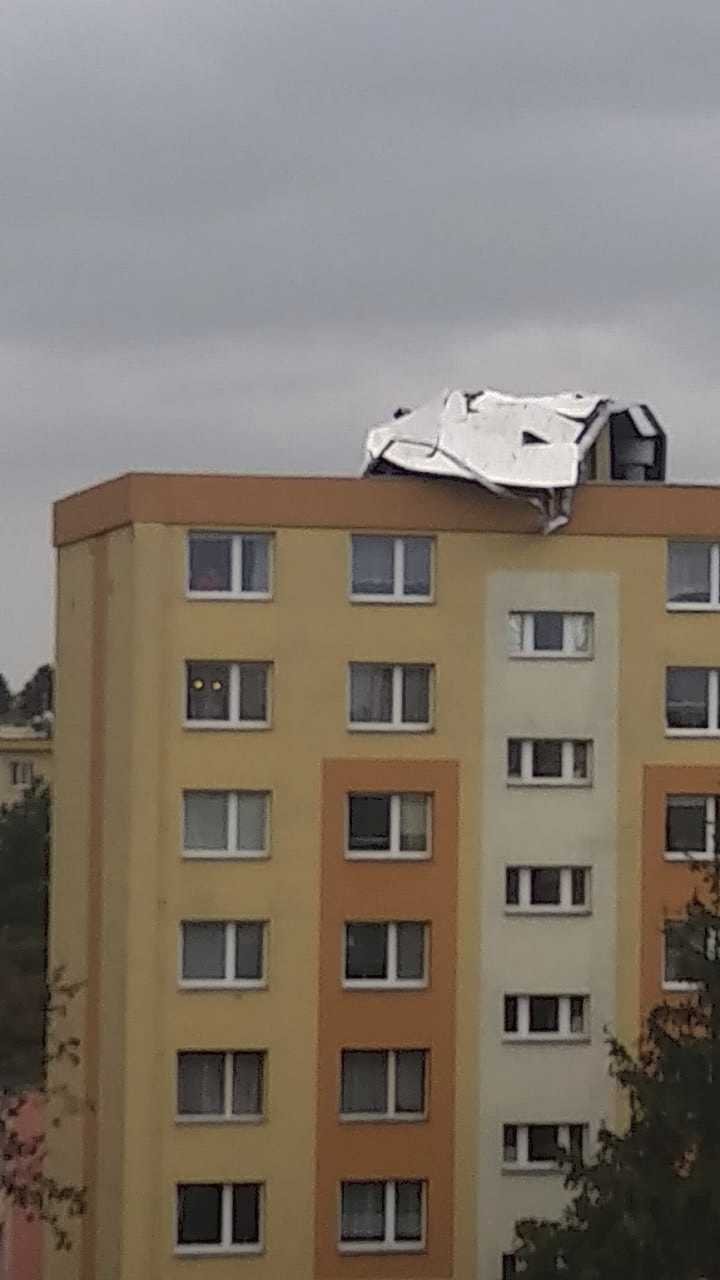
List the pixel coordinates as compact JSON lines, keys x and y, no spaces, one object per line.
{"x":521,"y":447}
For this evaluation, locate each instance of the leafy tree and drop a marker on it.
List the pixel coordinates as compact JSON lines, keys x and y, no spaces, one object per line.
{"x":6,"y":698}
{"x":33,"y":1009}
{"x":36,"y":696}
{"x":647,"y":1206}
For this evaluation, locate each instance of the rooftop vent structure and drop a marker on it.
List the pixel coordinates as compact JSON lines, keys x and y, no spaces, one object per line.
{"x":533,"y":448}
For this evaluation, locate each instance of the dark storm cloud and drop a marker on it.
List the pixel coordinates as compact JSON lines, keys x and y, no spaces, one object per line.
{"x":233,"y":235}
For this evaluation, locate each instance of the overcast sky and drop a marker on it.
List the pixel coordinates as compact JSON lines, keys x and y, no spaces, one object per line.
{"x":235,"y":234}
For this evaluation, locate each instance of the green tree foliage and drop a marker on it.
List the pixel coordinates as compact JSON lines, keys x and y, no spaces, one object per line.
{"x":647,"y":1207}
{"x":36,"y":696}
{"x":6,"y":697}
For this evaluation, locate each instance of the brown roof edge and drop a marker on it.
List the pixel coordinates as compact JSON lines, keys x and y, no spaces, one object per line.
{"x":375,"y":502}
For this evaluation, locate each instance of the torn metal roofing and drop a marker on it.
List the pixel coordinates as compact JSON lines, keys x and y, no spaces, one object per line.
{"x":530,"y":447}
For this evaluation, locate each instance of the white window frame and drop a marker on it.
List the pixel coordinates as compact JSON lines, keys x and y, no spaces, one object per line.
{"x":713,"y":699}
{"x":236,"y":553}
{"x":564,"y":1033}
{"x":711,"y":818}
{"x":567,"y":779}
{"x":697,"y":606}
{"x":227,"y":1115}
{"x":527,"y":644}
{"x":226,"y":1245}
{"x":392,"y":982}
{"x":711,"y":950}
{"x":233,"y":721}
{"x":565,"y":907}
{"x":396,"y":596}
{"x":396,"y":724}
{"x":389,"y":1244}
{"x":22,"y":773}
{"x":523,"y":1164}
{"x":229,"y":982}
{"x":391,"y":1113}
{"x":394,"y":853}
{"x":228,"y":854}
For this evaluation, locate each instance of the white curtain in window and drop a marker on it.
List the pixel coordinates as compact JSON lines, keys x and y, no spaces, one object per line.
{"x":206,"y":819}
{"x":363,"y":1211}
{"x":515,"y":628}
{"x":689,"y":572}
{"x":579,"y":632}
{"x":372,"y":565}
{"x":200,"y":1083}
{"x":413,"y":823}
{"x":371,"y":694}
{"x":364,"y":1082}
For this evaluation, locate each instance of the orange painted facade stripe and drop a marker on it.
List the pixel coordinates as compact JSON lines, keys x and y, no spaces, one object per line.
{"x":666,"y":886}
{"x":378,"y":502}
{"x":376,"y":890}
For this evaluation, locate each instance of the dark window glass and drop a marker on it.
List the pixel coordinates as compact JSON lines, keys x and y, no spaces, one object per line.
{"x":369,"y":822}
{"x":685,"y":824}
{"x":410,"y":951}
{"x":542,"y":1142}
{"x":511,"y":1013}
{"x":253,"y":691}
{"x":547,"y":758}
{"x":689,"y":572}
{"x":512,"y":886}
{"x":408,"y":1211}
{"x":364,"y":1082}
{"x":416,"y":695}
{"x":208,"y":691}
{"x":687,"y":698}
{"x":576,"y":1136}
{"x":199,"y":1209}
{"x":545,"y":886}
{"x":371,"y":693}
{"x":544,"y":1014}
{"x":410,"y":1081}
{"x":363,"y":1211}
{"x":203,"y":950}
{"x":246,"y":1213}
{"x":580,"y":760}
{"x":248,"y":1074}
{"x":417,"y":566}
{"x":206,"y":820}
{"x":685,"y":951}
{"x":372,"y":565}
{"x":509,"y":1261}
{"x":577,"y":1015}
{"x":548,"y":632}
{"x":578,"y":883}
{"x":510,"y":1139}
{"x":514,"y":758}
{"x":249,"y":950}
{"x":255,"y":578}
{"x":210,"y":564}
{"x":366,"y":951}
{"x":200,"y":1083}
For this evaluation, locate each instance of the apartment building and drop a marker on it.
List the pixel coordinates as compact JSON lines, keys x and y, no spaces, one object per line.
{"x":372,"y":801}
{"x":25,"y":755}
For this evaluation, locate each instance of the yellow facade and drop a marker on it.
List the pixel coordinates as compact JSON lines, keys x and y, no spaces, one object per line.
{"x":25,"y":755}
{"x":121,"y":887}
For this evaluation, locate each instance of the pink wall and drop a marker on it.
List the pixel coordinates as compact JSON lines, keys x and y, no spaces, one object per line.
{"x":21,"y":1241}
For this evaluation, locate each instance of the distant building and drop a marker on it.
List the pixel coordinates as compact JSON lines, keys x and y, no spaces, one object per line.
{"x":26,"y":753}
{"x":370,"y":800}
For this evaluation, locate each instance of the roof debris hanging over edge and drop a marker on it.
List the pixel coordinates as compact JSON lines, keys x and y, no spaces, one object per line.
{"x":529,"y":448}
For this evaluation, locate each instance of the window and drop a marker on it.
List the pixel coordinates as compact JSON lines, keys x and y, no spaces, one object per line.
{"x":386,"y":568}
{"x":686,"y":947}
{"x":549,"y":762}
{"x":693,"y":575}
{"x":21,"y":773}
{"x":380,"y":1216}
{"x":230,"y":694}
{"x":230,"y":824}
{"x":383,"y":1084}
{"x":216,"y":1217}
{"x":385,"y":955}
{"x":220,"y":1086}
{"x":551,"y":635}
{"x":546,"y":1017}
{"x":691,"y":827}
{"x":537,"y":1146}
{"x":388,"y":826}
{"x":229,"y":565}
{"x":223,"y":953}
{"x":383,"y":696}
{"x":510,"y":1267}
{"x":547,"y":890}
{"x":692,"y":703}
